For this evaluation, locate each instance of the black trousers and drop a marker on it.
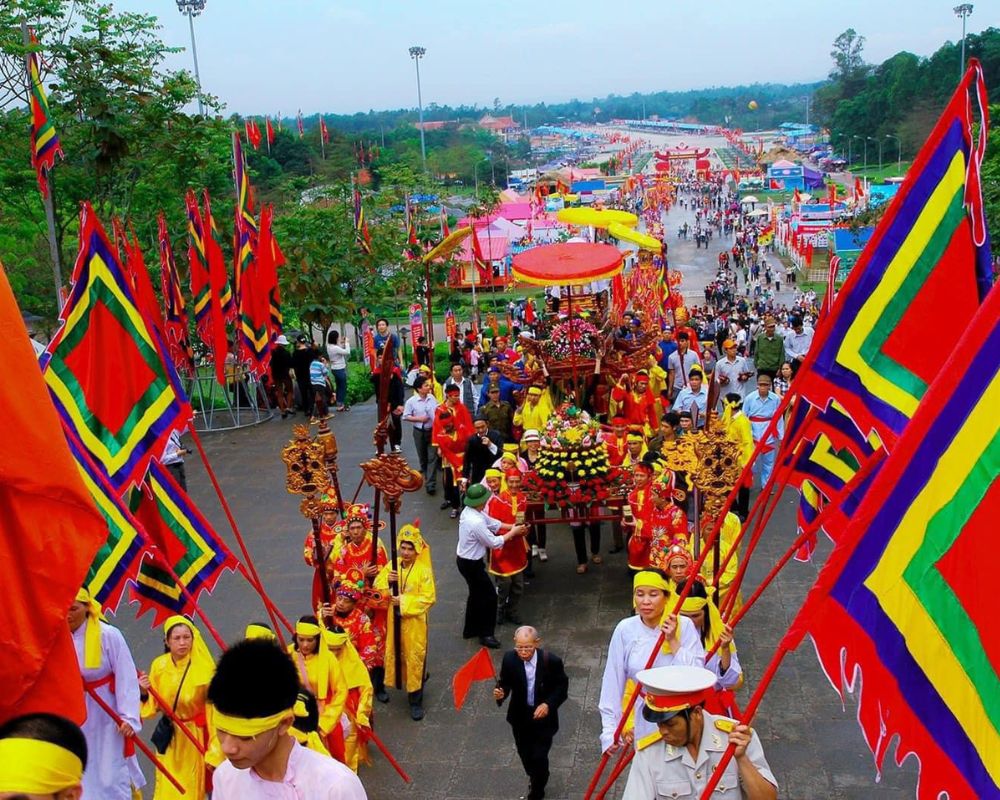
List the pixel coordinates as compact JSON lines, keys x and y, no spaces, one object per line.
{"x":580,"y":543}
{"x":177,"y":471}
{"x":481,"y":608}
{"x":427,"y":456}
{"x":451,"y":493}
{"x":533,"y":743}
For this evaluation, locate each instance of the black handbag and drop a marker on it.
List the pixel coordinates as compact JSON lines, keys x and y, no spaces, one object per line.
{"x":163,"y":733}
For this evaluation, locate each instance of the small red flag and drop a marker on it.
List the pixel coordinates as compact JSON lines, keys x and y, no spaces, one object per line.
{"x":323,"y":132}
{"x":477,"y":668}
{"x":270,"y":130}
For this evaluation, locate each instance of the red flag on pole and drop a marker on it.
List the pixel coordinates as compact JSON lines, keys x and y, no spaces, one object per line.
{"x":323,"y":132}
{"x":50,"y":531}
{"x":477,"y":668}
{"x":270,"y":131}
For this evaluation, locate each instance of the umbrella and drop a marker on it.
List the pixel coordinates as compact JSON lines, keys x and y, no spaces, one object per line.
{"x":749,"y":199}
{"x":645,"y":241}
{"x":597,"y":217}
{"x":448,"y":245}
{"x":760,"y":212}
{"x":567,"y":263}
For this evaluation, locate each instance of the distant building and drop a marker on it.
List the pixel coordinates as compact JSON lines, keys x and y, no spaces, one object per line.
{"x":504,"y":127}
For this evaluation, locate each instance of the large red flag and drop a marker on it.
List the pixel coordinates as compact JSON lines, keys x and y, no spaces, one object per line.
{"x":477,"y":668}
{"x":218,"y":282}
{"x":50,"y":531}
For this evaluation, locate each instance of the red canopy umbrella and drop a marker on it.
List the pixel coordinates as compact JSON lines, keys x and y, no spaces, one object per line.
{"x":567,"y":263}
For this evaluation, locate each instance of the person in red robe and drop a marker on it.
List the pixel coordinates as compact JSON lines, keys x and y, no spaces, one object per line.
{"x":636,"y":402}
{"x":450,"y":439}
{"x":507,"y":563}
{"x":668,"y":524}
{"x":614,"y":440}
{"x":330,"y":535}
{"x":348,"y":614}
{"x":637,"y":528}
{"x":355,"y":556}
{"x":453,"y":405}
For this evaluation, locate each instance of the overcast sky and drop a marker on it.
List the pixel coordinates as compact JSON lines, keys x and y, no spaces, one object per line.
{"x":343,"y":56}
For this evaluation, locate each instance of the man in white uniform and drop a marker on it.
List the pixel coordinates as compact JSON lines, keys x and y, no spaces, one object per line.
{"x":108,"y":670}
{"x":693,"y":741}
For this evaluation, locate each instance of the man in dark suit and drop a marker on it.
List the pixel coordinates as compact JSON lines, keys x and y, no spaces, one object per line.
{"x":537,"y":685}
{"x":483,"y":448}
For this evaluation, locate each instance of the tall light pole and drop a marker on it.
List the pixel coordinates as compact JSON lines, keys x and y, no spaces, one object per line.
{"x":416,"y":53}
{"x":855,"y":136}
{"x":192,"y":8}
{"x":866,"y":152}
{"x":899,"y":152}
{"x":872,"y":138}
{"x":963,"y":11}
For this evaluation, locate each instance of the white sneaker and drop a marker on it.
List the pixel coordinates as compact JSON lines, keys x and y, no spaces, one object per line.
{"x":542,"y":555}
{"x":534,"y":551}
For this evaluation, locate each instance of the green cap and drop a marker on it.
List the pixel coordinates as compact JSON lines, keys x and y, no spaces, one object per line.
{"x":477,"y":495}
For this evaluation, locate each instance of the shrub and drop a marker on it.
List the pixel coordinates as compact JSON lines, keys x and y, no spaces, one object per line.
{"x":359,"y":384}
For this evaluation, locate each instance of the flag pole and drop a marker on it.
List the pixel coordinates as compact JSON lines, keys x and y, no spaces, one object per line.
{"x":47,"y":201}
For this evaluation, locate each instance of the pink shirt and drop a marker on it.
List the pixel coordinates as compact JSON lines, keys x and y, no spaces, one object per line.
{"x":309,"y":776}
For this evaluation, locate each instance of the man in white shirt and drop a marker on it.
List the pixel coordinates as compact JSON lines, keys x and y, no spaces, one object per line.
{"x":419,"y":411}
{"x":694,"y":397}
{"x":254,"y":693}
{"x":797,"y":344}
{"x":477,"y":533}
{"x":466,"y":389}
{"x":733,"y":373}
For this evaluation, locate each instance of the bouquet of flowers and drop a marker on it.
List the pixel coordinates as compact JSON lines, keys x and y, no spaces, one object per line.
{"x":573,"y":337}
{"x":573,"y":468}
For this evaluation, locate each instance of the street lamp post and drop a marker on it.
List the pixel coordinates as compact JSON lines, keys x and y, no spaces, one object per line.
{"x":899,"y":152}
{"x":872,"y":138}
{"x":416,"y":53}
{"x":192,"y":8}
{"x":865,"y":168}
{"x":963,"y":11}
{"x":855,"y":136}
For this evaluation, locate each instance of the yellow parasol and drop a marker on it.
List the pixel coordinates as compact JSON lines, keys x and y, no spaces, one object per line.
{"x":448,"y":245}
{"x":625,"y":234}
{"x":599,"y":218}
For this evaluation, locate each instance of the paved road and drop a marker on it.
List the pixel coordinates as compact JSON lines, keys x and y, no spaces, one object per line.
{"x":815,"y":746}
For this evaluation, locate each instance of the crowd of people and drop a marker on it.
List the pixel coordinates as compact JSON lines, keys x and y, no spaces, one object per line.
{"x":308,"y":708}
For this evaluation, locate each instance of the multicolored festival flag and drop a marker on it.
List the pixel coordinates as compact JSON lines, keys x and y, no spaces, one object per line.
{"x":105,"y":369}
{"x":245,"y":231}
{"x":416,"y":322}
{"x":873,"y":352}
{"x":361,"y":233}
{"x":44,"y":139}
{"x":259,"y":282}
{"x":270,"y":259}
{"x":184,"y":540}
{"x":198,"y":269}
{"x":906,"y":603}
{"x":176,"y":330}
{"x":117,"y":561}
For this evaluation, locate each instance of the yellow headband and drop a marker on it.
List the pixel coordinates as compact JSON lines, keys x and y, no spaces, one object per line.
{"x":255,"y":631}
{"x":322,"y":656}
{"x":307,"y":629}
{"x":335,"y":638}
{"x":92,"y":632}
{"x":32,"y":766}
{"x":243,"y":726}
{"x":692,"y":604}
{"x":493,"y":473}
{"x":650,"y":580}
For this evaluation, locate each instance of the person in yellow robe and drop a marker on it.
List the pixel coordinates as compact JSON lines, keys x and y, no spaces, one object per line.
{"x":180,"y":677}
{"x":320,"y":673}
{"x":731,"y":527}
{"x":738,"y":429}
{"x":416,"y":595}
{"x":358,"y":708}
{"x":535,"y":411}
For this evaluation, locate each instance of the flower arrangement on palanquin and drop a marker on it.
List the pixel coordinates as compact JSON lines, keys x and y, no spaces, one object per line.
{"x":573,"y":468}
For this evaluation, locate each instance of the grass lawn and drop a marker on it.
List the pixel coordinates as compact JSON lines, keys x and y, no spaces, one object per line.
{"x":876,"y":175}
